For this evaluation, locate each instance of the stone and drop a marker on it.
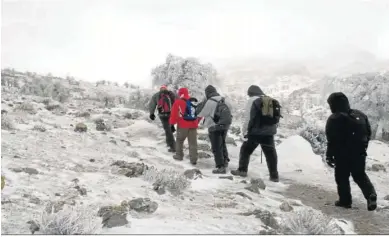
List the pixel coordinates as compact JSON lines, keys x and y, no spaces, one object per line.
{"x":130,"y":169}
{"x":258,"y":182}
{"x":193,"y":174}
{"x":34,"y":227}
{"x":227,"y":177}
{"x":386,"y":198}
{"x":143,"y":205}
{"x":378,"y":167}
{"x":113,"y":216}
{"x":253,"y":188}
{"x":81,"y":127}
{"x":204,"y":155}
{"x":244,"y":195}
{"x":159,"y":188}
{"x":203,"y":147}
{"x":231,"y":141}
{"x":286,"y":207}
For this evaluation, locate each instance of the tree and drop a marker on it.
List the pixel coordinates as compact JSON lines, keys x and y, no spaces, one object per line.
{"x":179,"y":72}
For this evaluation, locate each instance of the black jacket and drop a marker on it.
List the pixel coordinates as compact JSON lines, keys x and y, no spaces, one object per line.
{"x":338,"y":145}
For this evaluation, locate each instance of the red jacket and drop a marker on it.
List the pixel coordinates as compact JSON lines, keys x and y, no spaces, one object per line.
{"x":180,"y":105}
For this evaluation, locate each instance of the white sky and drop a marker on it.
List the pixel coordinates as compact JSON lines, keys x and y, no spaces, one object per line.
{"x":121,"y":40}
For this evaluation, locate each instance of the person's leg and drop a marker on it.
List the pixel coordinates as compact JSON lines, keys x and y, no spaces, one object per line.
{"x":269,"y":150}
{"x":192,"y":140}
{"x":182,"y":134}
{"x":342,"y":179}
{"x":217,"y":148}
{"x":246,"y":150}
{"x":225,"y":151}
{"x":168,"y":133}
{"x":360,"y":177}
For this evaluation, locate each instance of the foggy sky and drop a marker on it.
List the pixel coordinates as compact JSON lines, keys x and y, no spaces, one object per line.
{"x":121,"y":40}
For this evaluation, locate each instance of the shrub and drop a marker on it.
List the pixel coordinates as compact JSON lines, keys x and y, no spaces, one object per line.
{"x":317,"y":139}
{"x":173,"y":181}
{"x":39,"y":128}
{"x":70,"y":221}
{"x":309,"y":222}
{"x":6,"y":123}
{"x":27,"y":107}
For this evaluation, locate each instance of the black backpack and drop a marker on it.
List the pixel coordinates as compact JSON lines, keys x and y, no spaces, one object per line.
{"x":270,"y":111}
{"x":357,"y":127}
{"x":222,"y":114}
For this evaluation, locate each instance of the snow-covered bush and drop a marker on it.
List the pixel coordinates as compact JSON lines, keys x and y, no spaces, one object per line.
{"x":77,"y":220}
{"x":309,"y":222}
{"x":139,"y":99}
{"x":26,"y":107}
{"x":179,"y":72}
{"x":173,"y":181}
{"x":46,"y":87}
{"x":316,"y":137}
{"x":6,"y":123}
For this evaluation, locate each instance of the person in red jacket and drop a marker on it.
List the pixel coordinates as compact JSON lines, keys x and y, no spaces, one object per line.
{"x":187,"y":124}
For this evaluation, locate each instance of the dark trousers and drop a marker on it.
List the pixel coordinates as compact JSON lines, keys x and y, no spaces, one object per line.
{"x":356,"y":168}
{"x":219,"y":147}
{"x":268,"y":148}
{"x":168,"y":132}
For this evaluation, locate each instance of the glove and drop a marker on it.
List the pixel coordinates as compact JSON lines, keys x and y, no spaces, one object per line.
{"x":330,"y":162}
{"x":152,"y":116}
{"x":245,"y":138}
{"x":173,"y":129}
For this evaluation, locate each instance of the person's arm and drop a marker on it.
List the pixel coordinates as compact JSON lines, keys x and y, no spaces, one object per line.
{"x":172,"y":97}
{"x":153,"y":103}
{"x":174,"y":113}
{"x":246,"y":117}
{"x":206,"y":110}
{"x":330,"y":131}
{"x":253,"y":113}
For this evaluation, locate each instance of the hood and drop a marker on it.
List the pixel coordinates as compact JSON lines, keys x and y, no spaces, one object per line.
{"x":338,"y":102}
{"x":254,"y":91}
{"x":183,"y":93}
{"x":210,"y":91}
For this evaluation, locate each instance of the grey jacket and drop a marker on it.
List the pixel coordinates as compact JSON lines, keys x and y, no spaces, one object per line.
{"x":208,"y":111}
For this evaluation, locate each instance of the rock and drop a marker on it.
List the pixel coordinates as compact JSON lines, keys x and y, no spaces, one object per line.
{"x":378,"y":167}
{"x":81,"y":127}
{"x":244,"y":195}
{"x":83,"y":114}
{"x":235,"y":130}
{"x":267,"y":218}
{"x":204,"y":155}
{"x":82,"y":191}
{"x":258,"y":182}
{"x":286,"y":207}
{"x":203,"y":147}
{"x":54,"y":206}
{"x":243,"y":182}
{"x":130,"y":169}
{"x":29,"y":171}
{"x":34,"y":227}
{"x":57,"y":194}
{"x":127,"y":115}
{"x":35,"y":200}
{"x":159,"y":188}
{"x":203,"y":137}
{"x":39,"y":128}
{"x":92,"y":160}
{"x":17,"y":157}
{"x":231,"y":141}
{"x":144,"y":205}
{"x":4,"y":112}
{"x":386,"y":198}
{"x":127,"y":142}
{"x":193,"y":174}
{"x":2,"y":182}
{"x":226,"y":177}
{"x":102,"y":126}
{"x":113,"y":142}
{"x":253,"y":188}
{"x":113,"y":216}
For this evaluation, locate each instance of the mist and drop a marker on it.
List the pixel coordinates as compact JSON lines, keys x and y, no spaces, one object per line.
{"x":122,"y":40}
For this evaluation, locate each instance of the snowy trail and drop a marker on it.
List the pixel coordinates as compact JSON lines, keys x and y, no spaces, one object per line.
{"x":365,"y":222}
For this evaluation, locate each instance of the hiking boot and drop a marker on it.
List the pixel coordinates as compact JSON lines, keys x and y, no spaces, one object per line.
{"x":172,"y":150}
{"x":177,"y":158}
{"x":372,"y":202}
{"x":226,"y":163}
{"x":220,"y":170}
{"x":239,"y":173}
{"x":193,"y":162}
{"x":344,"y":205}
{"x":274,"y":179}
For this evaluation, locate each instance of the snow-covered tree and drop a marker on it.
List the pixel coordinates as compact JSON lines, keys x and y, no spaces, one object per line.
{"x":179,"y":72}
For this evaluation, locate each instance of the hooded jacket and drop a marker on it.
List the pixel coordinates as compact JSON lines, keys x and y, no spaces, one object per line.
{"x":154,"y":100}
{"x":180,"y":105}
{"x":337,"y":143}
{"x":207,"y":108}
{"x":254,"y":92}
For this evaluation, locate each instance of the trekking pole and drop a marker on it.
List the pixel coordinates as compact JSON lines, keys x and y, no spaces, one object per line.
{"x":261,"y":156}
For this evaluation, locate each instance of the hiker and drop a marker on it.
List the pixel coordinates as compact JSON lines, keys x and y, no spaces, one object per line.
{"x":348,"y":134}
{"x":163,"y":101}
{"x":184,"y":115}
{"x":216,"y":112}
{"x":261,"y":116}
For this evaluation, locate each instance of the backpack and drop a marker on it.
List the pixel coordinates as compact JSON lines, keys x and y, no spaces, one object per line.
{"x":270,"y":111}
{"x":357,"y":127}
{"x":222,"y":114}
{"x":164,"y":103}
{"x":190,"y":111}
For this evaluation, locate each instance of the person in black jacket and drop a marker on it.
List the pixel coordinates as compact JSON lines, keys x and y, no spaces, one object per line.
{"x":257,"y":133}
{"x":163,"y":101}
{"x":348,"y":134}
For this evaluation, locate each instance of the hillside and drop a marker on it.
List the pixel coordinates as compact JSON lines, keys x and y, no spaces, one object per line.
{"x":119,"y":174}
